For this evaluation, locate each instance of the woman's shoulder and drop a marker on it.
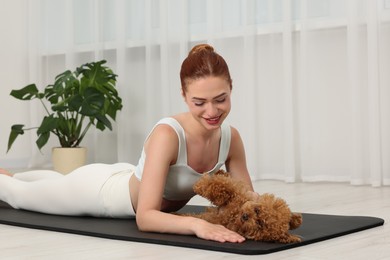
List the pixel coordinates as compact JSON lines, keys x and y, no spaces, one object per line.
{"x":163,"y":130}
{"x":234,"y":131}
{"x":235,"y":137}
{"x":162,"y":140}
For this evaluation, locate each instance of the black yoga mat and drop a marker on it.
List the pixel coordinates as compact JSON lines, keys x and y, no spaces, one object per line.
{"x":315,"y":228}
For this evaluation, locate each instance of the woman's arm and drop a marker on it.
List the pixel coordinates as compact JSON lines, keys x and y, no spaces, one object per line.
{"x":161,"y":151}
{"x":236,"y":162}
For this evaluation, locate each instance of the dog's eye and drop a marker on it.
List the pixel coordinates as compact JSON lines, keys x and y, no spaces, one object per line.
{"x":257,"y":211}
{"x":245,"y":217}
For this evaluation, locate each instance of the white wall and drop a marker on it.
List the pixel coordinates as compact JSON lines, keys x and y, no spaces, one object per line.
{"x":13,"y":75}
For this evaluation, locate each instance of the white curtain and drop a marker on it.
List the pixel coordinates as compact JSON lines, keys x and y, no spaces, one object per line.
{"x":311,"y":81}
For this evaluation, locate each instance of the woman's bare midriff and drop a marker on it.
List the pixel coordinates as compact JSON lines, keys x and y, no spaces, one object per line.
{"x":166,"y":205}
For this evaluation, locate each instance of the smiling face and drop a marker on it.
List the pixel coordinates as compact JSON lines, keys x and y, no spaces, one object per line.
{"x":208,"y":100}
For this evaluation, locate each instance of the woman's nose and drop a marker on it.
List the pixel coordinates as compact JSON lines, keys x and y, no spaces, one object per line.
{"x":211,"y":110}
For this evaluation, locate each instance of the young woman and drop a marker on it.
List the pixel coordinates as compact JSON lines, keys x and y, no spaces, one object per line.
{"x":178,"y":150}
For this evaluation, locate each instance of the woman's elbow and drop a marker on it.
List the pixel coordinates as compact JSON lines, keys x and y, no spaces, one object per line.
{"x":142,"y":222}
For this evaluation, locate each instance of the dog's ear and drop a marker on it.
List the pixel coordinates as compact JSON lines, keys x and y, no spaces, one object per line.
{"x":295,"y":220}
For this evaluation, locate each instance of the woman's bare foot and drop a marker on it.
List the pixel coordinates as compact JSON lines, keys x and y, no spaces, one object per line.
{"x":5,"y":172}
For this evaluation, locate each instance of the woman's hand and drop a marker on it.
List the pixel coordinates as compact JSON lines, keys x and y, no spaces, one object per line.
{"x":219,"y":233}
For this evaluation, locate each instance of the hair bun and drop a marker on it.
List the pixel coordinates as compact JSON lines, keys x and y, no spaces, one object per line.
{"x":201,"y":48}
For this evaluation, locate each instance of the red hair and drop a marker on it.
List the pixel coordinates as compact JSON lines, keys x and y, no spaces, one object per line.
{"x":201,"y":62}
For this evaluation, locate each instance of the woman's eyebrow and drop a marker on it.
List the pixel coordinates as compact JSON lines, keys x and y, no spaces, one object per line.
{"x":203,"y":99}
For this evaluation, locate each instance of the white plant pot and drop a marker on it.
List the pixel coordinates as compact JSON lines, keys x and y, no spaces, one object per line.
{"x":67,"y":159}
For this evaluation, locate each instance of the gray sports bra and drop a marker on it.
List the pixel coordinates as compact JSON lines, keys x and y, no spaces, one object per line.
{"x":182,"y":177}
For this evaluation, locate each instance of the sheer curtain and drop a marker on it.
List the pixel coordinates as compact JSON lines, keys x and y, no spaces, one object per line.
{"x":311,"y":93}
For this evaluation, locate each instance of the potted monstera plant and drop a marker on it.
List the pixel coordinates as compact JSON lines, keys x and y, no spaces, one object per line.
{"x":78,"y":100}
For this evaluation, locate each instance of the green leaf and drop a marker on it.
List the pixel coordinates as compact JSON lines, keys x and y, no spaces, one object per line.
{"x":113,"y":107}
{"x":48,"y":124}
{"x":60,"y":107}
{"x":42,"y":139}
{"x":16,"y":130}
{"x":93,"y":103}
{"x":63,"y":81}
{"x":75,"y":102}
{"x":27,"y":93}
{"x":51,"y":95}
{"x":103,"y":122}
{"x":98,"y":76}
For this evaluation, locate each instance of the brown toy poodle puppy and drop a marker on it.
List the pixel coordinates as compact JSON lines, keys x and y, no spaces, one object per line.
{"x":266,"y":218}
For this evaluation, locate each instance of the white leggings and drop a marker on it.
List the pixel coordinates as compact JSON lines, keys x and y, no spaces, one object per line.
{"x":100,"y":190}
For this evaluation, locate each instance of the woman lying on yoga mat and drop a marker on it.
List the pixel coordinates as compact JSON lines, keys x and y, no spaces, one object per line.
{"x":178,"y":150}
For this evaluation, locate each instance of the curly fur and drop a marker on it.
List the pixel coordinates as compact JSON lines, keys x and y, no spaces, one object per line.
{"x":267,"y":218}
